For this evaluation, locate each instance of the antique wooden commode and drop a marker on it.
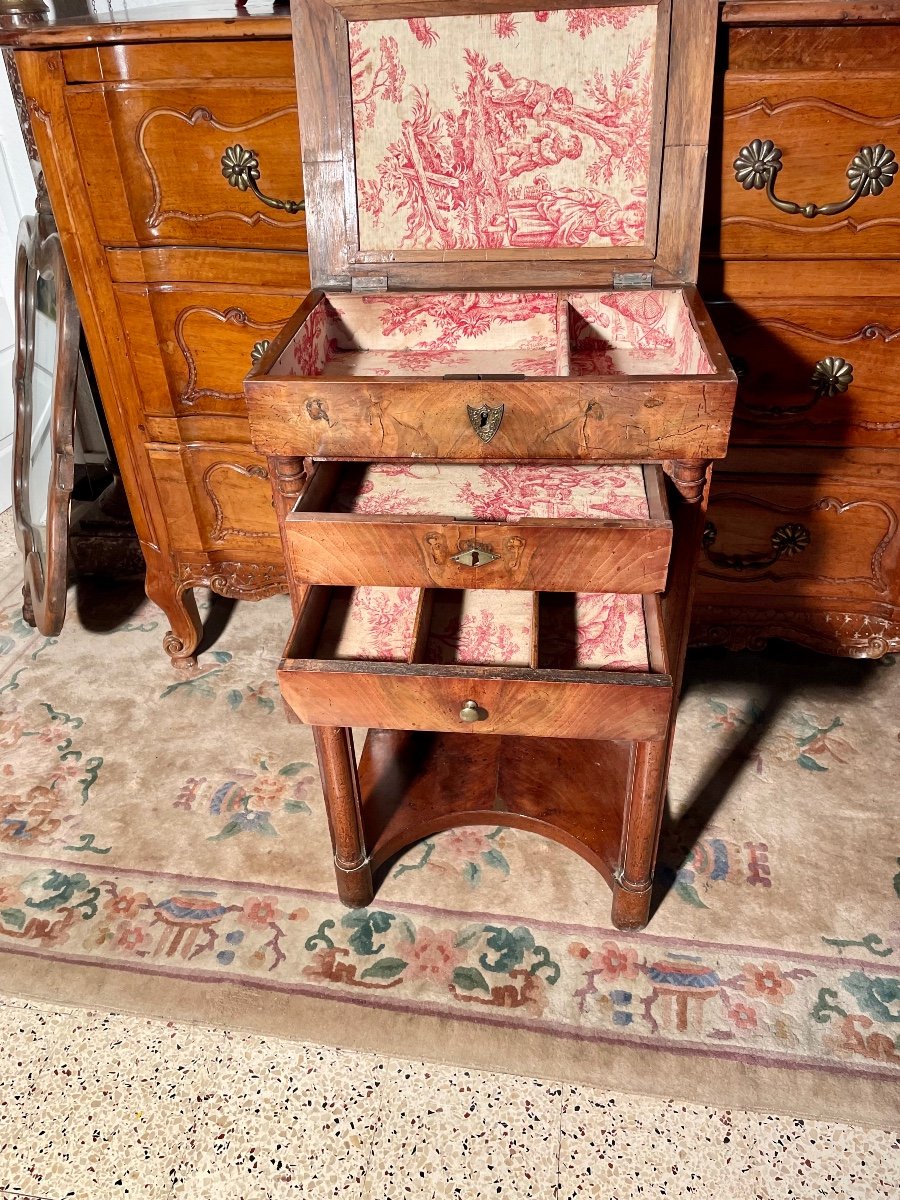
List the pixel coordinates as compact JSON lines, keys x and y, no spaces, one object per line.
{"x":490,"y":426}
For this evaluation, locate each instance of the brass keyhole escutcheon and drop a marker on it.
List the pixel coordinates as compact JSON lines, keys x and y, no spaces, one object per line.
{"x":470,"y":712}
{"x":475,"y":556}
{"x":485,"y":420}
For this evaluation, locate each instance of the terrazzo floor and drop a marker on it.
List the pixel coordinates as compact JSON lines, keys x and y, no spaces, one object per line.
{"x":95,"y":1106}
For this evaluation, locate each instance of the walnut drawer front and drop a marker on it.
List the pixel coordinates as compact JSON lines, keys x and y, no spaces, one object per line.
{"x":153,"y":144}
{"x":414,"y":659}
{"x":821,"y":373}
{"x":815,"y":524}
{"x":544,"y":528}
{"x":821,"y":127}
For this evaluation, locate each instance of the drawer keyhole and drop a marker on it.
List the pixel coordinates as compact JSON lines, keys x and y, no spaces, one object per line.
{"x":475,"y":556}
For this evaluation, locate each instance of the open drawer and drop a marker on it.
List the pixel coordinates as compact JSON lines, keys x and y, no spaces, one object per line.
{"x":535,"y":664}
{"x":475,"y":376}
{"x":563,"y":528}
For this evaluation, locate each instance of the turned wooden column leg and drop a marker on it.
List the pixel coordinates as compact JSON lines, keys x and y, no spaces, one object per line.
{"x":180,"y":607}
{"x":288,"y":477}
{"x":640,"y":835}
{"x":337,"y":764}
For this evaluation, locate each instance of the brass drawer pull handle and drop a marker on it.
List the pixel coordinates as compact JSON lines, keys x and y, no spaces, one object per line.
{"x":870,"y":172}
{"x":241,"y":169}
{"x":471,"y":712}
{"x":831,"y":377}
{"x":786,"y":541}
{"x":485,"y":420}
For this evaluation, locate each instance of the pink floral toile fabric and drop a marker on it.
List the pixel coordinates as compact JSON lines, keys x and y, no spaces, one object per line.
{"x":527,"y":333}
{"x":499,"y":492}
{"x":528,"y":130}
{"x":488,"y":628}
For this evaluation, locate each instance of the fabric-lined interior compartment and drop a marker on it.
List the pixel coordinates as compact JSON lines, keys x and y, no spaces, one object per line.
{"x":478,"y":628}
{"x":528,"y":526}
{"x":525,"y":335}
{"x":429,"y":333}
{"x":505,"y":492}
{"x":639,"y":332}
{"x":370,"y":624}
{"x":567,"y":631}
{"x":598,"y":631}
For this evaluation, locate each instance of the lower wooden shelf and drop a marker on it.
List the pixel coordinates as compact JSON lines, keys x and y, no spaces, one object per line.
{"x":413,"y":785}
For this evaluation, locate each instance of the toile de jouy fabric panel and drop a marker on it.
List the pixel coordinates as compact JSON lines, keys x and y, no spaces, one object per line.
{"x":590,"y":631}
{"x":502,"y":492}
{"x":529,"y":129}
{"x":530,"y":333}
{"x":369,"y":623}
{"x":634,"y":333}
{"x":481,"y":628}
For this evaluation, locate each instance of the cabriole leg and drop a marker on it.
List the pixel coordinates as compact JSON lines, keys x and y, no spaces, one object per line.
{"x":337,"y":765}
{"x":179,"y":605}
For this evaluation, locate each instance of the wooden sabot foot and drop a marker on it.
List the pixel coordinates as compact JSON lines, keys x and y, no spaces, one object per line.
{"x":630,"y":910}
{"x":354,"y":884}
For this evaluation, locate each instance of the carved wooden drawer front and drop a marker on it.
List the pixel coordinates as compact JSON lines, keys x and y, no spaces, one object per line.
{"x":814,"y":374}
{"x":548,"y":528}
{"x":193,"y":344}
{"x":203,"y":161}
{"x":831,"y":534}
{"x":416,"y":669}
{"x":837,"y":135}
{"x":216,"y":497}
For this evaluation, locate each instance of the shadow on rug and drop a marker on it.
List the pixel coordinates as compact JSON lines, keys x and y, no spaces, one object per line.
{"x":164,"y":849}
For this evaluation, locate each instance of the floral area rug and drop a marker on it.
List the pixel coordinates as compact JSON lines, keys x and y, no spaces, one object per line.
{"x":164,"y":849}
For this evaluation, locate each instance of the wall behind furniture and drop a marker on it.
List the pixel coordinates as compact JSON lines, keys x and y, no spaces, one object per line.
{"x":16,"y":198}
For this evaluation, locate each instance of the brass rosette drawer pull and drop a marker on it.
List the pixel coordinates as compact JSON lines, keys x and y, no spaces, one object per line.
{"x":831,"y":376}
{"x":869,"y":173}
{"x":786,"y":541}
{"x":241,"y":170}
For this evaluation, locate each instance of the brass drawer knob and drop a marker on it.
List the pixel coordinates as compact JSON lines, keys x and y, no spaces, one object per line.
{"x":471,"y":712}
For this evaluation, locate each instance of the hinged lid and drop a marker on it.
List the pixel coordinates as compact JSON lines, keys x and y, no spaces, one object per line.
{"x":457,"y":145}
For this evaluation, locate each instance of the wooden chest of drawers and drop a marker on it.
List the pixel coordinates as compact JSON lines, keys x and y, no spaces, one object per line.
{"x":803,"y":538}
{"x":177,"y":283}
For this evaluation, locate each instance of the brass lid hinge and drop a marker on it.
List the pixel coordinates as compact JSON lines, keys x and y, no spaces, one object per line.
{"x":624,"y":280}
